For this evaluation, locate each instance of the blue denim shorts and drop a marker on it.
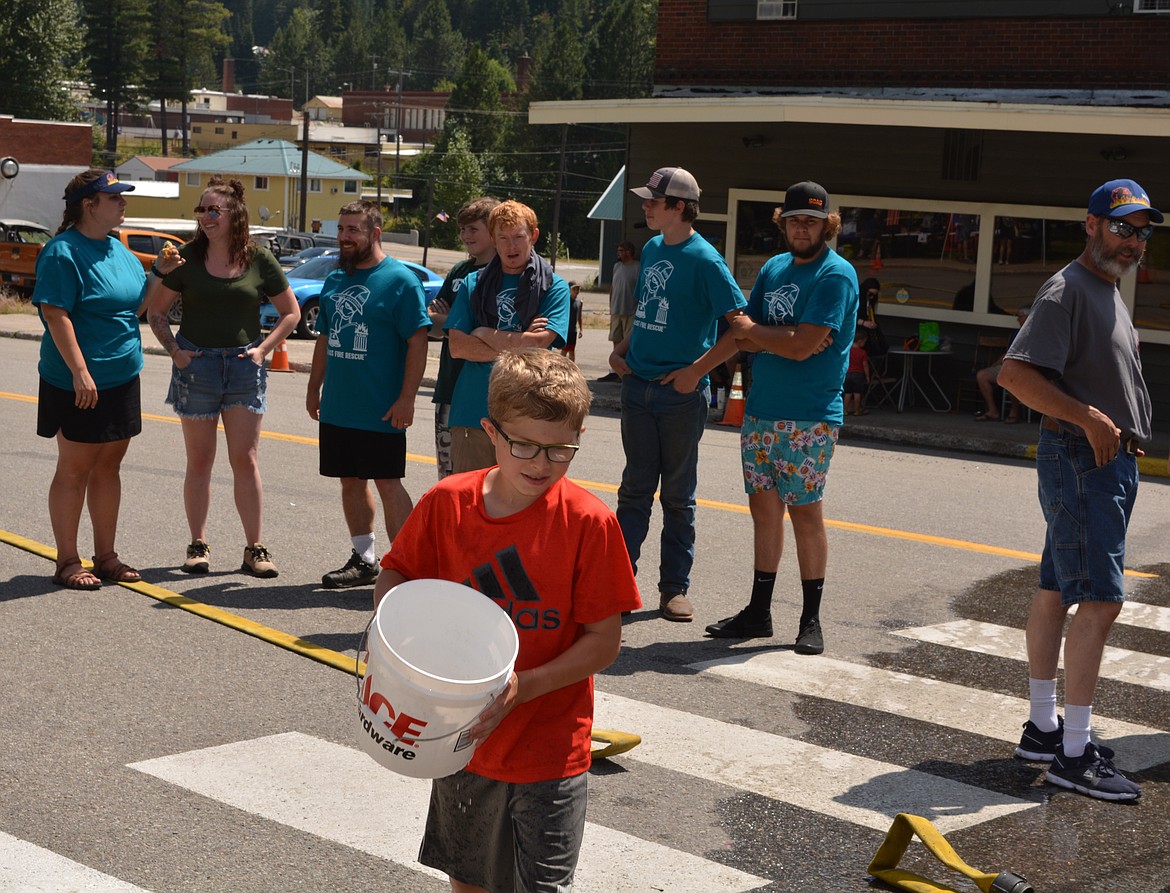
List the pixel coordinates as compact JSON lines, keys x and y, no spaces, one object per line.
{"x":1087,"y":510}
{"x":790,"y":457}
{"x":217,"y":379}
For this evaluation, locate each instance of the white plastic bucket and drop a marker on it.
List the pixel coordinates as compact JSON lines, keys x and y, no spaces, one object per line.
{"x":437,"y":653}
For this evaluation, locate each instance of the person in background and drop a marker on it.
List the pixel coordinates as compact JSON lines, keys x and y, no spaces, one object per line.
{"x":871,"y":294}
{"x":363,"y":382}
{"x":857,"y":376}
{"x":1076,"y":360}
{"x":89,"y":289}
{"x":985,"y":379}
{"x":622,"y":299}
{"x":473,"y":231}
{"x":218,"y":357}
{"x":576,"y":325}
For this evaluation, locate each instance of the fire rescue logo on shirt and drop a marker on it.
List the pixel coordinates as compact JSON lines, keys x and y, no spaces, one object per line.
{"x":655,"y":279}
{"x":506,"y":308}
{"x":778,"y":304}
{"x":347,"y":314}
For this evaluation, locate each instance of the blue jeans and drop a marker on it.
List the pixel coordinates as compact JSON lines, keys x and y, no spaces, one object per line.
{"x":661,"y":429}
{"x":1087,"y":509}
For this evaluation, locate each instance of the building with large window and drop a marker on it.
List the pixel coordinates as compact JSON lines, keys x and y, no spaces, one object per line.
{"x":959,"y":140}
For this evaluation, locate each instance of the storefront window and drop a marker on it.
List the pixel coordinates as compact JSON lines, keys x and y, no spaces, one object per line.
{"x":1152,"y":294}
{"x":1026,"y":253}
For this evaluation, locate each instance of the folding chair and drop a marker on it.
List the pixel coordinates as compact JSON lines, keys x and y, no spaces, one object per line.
{"x":988,"y":349}
{"x":882,"y":385}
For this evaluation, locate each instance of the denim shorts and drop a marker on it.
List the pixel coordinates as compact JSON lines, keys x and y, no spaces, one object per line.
{"x":1087,"y":510}
{"x":216,"y":379}
{"x":503,"y":836}
{"x":790,"y":457}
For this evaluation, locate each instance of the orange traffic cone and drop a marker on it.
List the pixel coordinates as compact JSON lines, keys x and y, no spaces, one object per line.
{"x":279,"y":359}
{"x":877,"y":257}
{"x":733,"y":415}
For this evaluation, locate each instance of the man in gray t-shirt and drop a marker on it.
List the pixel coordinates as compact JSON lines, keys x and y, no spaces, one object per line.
{"x":1076,"y":360}
{"x":622,"y":299}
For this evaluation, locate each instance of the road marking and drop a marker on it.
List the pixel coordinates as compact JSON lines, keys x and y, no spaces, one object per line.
{"x":944,"y":704}
{"x":29,"y":868}
{"x":734,"y":508}
{"x":1120,"y":664}
{"x":828,"y":782}
{"x":340,"y":794}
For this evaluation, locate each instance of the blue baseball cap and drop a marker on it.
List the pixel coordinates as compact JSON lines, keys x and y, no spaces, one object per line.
{"x":107,"y":182}
{"x":1117,"y":198}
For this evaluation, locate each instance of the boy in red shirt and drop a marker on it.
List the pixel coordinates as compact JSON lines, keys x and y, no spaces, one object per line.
{"x":551,"y":555}
{"x":857,"y":376}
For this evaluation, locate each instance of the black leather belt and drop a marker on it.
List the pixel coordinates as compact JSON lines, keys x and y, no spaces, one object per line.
{"x":1129,"y":445}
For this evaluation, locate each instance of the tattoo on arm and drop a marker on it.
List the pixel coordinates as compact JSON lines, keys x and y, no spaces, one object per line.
{"x":162,"y":330}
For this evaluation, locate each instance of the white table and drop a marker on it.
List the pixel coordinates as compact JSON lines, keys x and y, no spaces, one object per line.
{"x":909,"y":383}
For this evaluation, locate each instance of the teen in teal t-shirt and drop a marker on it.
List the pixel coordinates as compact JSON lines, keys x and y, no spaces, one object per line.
{"x":822,"y":292}
{"x":682,"y":291}
{"x":469,"y":402}
{"x":100,"y":284}
{"x":367,"y":316}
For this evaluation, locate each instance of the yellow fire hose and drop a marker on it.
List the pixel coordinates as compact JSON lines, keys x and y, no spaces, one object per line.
{"x":884,"y":866}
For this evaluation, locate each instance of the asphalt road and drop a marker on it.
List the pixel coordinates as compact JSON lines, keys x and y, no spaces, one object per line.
{"x":146,"y":747}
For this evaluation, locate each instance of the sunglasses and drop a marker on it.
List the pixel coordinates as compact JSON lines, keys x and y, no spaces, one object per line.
{"x":212,"y":211}
{"x":1125,"y":230}
{"x":526,"y":449}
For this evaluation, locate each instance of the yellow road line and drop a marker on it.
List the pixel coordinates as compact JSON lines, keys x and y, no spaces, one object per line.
{"x":319,"y":653}
{"x":867,"y":529}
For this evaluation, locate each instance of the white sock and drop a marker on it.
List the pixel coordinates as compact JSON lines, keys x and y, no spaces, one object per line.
{"x":1076,"y":728}
{"x":1042,"y":698}
{"x":363,"y":544}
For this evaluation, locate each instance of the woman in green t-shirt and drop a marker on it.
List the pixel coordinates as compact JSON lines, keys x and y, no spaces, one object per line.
{"x":218,"y":357}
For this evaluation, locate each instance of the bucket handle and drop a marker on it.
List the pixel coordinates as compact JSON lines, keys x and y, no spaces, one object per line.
{"x":363,"y":649}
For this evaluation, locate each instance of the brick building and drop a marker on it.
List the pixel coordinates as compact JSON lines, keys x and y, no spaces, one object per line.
{"x":46,"y":142}
{"x":960,"y":147}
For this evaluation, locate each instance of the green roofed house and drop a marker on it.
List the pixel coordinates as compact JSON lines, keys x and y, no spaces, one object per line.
{"x":270,"y":170}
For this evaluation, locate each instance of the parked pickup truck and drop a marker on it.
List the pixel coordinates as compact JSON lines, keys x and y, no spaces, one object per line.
{"x":20,"y":243}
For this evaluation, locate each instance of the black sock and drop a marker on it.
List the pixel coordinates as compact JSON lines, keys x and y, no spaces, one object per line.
{"x":761,"y":603}
{"x":812,"y":590}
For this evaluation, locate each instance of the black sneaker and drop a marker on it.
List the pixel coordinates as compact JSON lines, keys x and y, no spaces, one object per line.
{"x":1040,"y":746}
{"x":810,"y":639}
{"x":1091,"y":773}
{"x":741,"y":626}
{"x":612,"y":376}
{"x":355,"y":573}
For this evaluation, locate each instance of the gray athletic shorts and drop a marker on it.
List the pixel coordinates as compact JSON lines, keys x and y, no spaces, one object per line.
{"x":504,"y":837}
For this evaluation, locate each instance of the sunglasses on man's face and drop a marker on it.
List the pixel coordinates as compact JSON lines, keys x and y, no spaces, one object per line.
{"x":212,"y":211}
{"x":1125,"y":230}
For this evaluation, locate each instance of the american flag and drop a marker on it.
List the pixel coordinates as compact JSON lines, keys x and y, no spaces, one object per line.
{"x":442,"y":215}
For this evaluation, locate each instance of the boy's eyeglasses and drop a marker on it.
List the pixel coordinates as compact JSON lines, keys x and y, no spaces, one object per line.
{"x":526,"y":449}
{"x":212,"y":211}
{"x":1125,"y":230}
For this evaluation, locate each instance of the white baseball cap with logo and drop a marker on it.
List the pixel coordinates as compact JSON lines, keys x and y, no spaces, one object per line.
{"x":669,"y":181}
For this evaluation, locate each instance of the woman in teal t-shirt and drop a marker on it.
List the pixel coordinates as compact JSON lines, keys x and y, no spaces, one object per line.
{"x":218,"y":357}
{"x":88,"y":291}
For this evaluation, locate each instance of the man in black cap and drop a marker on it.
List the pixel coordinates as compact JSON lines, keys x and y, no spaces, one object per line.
{"x":1076,"y":360}
{"x":683,"y":289}
{"x":801,"y":317}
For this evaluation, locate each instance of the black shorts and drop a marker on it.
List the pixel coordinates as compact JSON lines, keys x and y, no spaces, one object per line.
{"x":356,"y":453}
{"x":854,"y":383}
{"x":117,"y":415}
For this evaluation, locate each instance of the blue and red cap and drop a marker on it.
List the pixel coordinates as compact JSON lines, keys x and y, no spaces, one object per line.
{"x":1117,"y":198}
{"x":107,"y":182}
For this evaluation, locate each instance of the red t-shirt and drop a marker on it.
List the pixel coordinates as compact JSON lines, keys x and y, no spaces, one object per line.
{"x":554,"y":566}
{"x":857,"y":358}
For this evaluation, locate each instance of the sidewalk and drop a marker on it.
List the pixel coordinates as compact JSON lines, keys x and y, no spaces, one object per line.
{"x":916,"y":427}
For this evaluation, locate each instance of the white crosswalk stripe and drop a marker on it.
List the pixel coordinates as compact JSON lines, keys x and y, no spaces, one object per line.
{"x":927,"y":700}
{"x":1120,"y":664}
{"x":28,"y":868}
{"x":282,"y":777}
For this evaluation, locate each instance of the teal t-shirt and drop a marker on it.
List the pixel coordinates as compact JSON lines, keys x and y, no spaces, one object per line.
{"x":99,"y":283}
{"x":683,"y":289}
{"x":469,"y":402}
{"x":367,"y":317}
{"x":821,"y":293}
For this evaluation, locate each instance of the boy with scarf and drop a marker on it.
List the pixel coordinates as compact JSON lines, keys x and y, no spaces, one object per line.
{"x":515,"y":303}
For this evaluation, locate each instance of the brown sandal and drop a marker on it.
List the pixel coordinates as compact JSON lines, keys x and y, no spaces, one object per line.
{"x":82,"y":578}
{"x":110,"y":569}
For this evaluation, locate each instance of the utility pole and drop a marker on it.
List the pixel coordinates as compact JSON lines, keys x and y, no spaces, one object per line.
{"x":305,"y":171}
{"x":556,"y":235}
{"x":430,"y":207}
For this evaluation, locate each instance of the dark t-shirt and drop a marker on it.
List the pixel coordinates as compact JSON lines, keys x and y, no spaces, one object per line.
{"x":449,"y":366}
{"x":225,"y":312}
{"x":1080,"y":334}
